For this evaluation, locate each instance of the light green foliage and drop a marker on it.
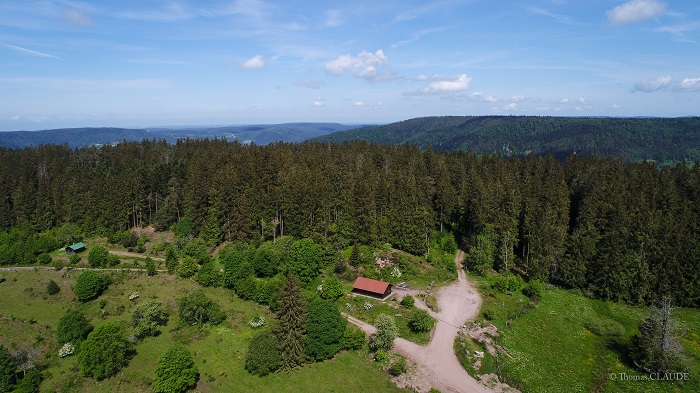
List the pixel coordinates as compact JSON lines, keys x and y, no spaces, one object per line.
{"x":263,"y":357}
{"x":89,"y":285}
{"x":8,"y":370}
{"x":236,"y":267}
{"x":408,"y":301}
{"x":421,"y":321}
{"x":147,"y":318}
{"x":332,"y":289}
{"x":43,"y":258}
{"x":175,"y":371}
{"x":198,"y":309}
{"x":386,"y":333}
{"x":171,"y":260}
{"x":74,"y":258}
{"x":188,"y":267}
{"x":97,"y":257}
{"x":481,"y":255}
{"x":353,"y":337}
{"x":398,"y":366}
{"x":72,"y":328}
{"x":324,"y":330}
{"x":52,"y":288}
{"x":305,"y":260}
{"x":105,"y":351}
{"x":509,"y":283}
{"x":533,"y":289}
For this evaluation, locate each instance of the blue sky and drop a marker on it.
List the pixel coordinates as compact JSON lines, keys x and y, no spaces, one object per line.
{"x":151,"y":62}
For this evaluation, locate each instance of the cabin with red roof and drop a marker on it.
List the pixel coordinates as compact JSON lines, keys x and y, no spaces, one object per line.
{"x":372,"y":288}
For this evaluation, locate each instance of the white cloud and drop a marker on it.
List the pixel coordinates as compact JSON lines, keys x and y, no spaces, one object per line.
{"x":363,"y":65}
{"x":333,"y":18}
{"x":510,"y":106}
{"x":421,"y":77}
{"x":444,"y":85}
{"x":359,"y":103}
{"x":319,"y":102}
{"x":16,"y":117}
{"x":690,"y":84}
{"x":515,"y":99}
{"x":310,"y":84}
{"x":254,"y":63}
{"x":651,"y":85}
{"x":635,"y":11}
{"x":77,"y":18}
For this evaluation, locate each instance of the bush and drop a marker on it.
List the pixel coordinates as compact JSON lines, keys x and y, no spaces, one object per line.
{"x":199,"y":309}
{"x":44,"y":259}
{"x":188,"y":267}
{"x":97,"y":257}
{"x":533,"y":289}
{"x":66,"y":350}
{"x":72,"y":328}
{"x":74,"y":258}
{"x":150,"y":267}
{"x":8,"y":370}
{"x":175,"y":371}
{"x":332,"y":289}
{"x":509,"y":283}
{"x":147,"y":317}
{"x":604,"y":327}
{"x":421,"y":321}
{"x":112,"y":260}
{"x":52,"y":288}
{"x":353,"y":338}
{"x":208,"y":276}
{"x":408,"y":301}
{"x":386,"y":333}
{"x":29,"y":383}
{"x":325,"y":328}
{"x":105,"y":352}
{"x":266,"y":260}
{"x":398,"y":367}
{"x":263,"y":357}
{"x":90,"y":285}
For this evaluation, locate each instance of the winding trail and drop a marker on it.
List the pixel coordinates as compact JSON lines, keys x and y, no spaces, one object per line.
{"x":458,"y":303}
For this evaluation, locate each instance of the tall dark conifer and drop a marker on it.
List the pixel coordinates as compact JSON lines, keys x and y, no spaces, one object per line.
{"x":291,"y":324}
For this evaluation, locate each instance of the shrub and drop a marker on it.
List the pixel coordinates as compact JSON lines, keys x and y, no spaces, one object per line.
{"x":105,"y":351}
{"x":208,"y":276}
{"x":75,"y":258}
{"x":89,"y":285}
{"x":150,"y":267}
{"x":8,"y":370}
{"x":44,"y":259}
{"x":266,"y":260}
{"x":380,"y":355}
{"x":29,"y":383}
{"x":421,"y":321}
{"x":398,"y":367}
{"x":66,"y":350}
{"x":188,"y":267}
{"x":112,"y":260}
{"x":199,"y":309}
{"x":604,"y":327}
{"x":175,"y":371}
{"x":52,"y":288}
{"x":386,"y":333}
{"x":262,"y":357}
{"x":533,"y":289}
{"x":147,"y":317}
{"x":509,"y":283}
{"x":324,"y":330}
{"x":332,"y":289}
{"x":72,"y":328}
{"x":97,"y":257}
{"x":408,"y":301}
{"x":353,"y":338}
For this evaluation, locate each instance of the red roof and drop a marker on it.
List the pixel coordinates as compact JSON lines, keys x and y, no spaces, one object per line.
{"x":369,"y":285}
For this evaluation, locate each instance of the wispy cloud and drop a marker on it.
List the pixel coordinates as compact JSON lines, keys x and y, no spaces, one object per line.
{"x":652,"y":85}
{"x":29,"y":51}
{"x":635,"y":11}
{"x":91,"y":84}
{"x":444,"y":85}
{"x":254,"y":63}
{"x":77,"y":18}
{"x":690,"y":84}
{"x":320,"y":101}
{"x":333,"y":18}
{"x":364,"y":65}
{"x":309,"y":84}
{"x":563,"y":19}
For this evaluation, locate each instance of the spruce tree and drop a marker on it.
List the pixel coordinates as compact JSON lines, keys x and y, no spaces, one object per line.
{"x":291,"y":324}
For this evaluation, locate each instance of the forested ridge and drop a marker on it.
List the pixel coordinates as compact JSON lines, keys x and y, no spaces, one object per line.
{"x":664,"y":140}
{"x":617,"y":230}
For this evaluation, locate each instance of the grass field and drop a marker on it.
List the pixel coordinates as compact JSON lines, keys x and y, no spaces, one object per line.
{"x":554,"y":349}
{"x":28,"y":316}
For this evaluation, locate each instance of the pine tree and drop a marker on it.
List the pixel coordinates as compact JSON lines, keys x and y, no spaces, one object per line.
{"x":291,"y":324}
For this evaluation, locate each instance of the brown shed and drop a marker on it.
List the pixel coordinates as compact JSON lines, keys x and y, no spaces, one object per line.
{"x":371,"y":288}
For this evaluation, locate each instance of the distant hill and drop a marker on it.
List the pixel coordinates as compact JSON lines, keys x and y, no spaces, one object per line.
{"x":664,"y":140}
{"x":260,"y":134}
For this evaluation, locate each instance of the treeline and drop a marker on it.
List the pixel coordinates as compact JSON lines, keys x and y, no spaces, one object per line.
{"x":664,"y":140}
{"x":623,"y":231}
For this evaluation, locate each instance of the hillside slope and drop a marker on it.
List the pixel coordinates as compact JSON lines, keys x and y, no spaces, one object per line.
{"x":632,"y":139}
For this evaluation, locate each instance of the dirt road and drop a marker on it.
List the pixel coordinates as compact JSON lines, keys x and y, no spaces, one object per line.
{"x":458,"y":303}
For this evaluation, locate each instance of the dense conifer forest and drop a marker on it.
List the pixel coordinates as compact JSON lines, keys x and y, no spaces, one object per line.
{"x":623,"y":231}
{"x":664,"y":140}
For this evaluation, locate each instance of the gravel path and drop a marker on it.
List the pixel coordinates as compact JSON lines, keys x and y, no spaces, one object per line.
{"x":458,"y":303}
